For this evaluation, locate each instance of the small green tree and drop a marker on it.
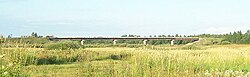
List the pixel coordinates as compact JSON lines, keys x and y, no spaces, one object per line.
{"x":33,"y":34}
{"x":124,"y":35}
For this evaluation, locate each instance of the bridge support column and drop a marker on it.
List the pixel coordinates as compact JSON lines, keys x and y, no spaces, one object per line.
{"x":114,"y":42}
{"x":82,"y":41}
{"x":145,"y":42}
{"x":172,"y":42}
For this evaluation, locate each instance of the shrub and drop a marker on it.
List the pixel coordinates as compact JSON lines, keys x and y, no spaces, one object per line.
{"x":55,"y":59}
{"x":50,"y":60}
{"x":122,"y":56}
{"x":10,"y":69}
{"x":225,"y":42}
{"x":63,"y":45}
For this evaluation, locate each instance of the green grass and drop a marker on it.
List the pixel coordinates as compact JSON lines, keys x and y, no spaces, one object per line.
{"x":210,"y":41}
{"x":159,"y":61}
{"x":67,"y":70}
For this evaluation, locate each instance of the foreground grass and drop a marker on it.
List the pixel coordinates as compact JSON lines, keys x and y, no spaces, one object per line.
{"x":213,"y":61}
{"x":219,"y":60}
{"x":67,"y":70}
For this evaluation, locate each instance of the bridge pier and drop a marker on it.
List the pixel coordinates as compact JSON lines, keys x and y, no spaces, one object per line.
{"x":172,"y":42}
{"x":114,"y":42}
{"x":145,"y":42}
{"x":82,"y":41}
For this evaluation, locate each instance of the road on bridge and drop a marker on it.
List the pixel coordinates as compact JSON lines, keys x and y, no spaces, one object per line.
{"x":145,"y":39}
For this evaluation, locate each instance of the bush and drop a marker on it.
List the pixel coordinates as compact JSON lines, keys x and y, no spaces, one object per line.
{"x":10,"y":69}
{"x":50,"y":60}
{"x":63,"y":45}
{"x":225,"y":42}
{"x":122,"y":56}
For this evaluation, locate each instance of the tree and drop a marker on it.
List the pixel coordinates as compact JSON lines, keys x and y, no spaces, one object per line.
{"x":238,"y":37}
{"x":33,"y":34}
{"x":176,"y":35}
{"x":10,"y":36}
{"x":248,"y":32}
{"x":130,"y":35}
{"x":163,"y":36}
{"x":1,"y":39}
{"x":124,"y":35}
{"x":1,"y":36}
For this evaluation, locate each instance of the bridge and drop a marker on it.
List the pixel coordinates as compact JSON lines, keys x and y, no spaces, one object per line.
{"x":145,"y":39}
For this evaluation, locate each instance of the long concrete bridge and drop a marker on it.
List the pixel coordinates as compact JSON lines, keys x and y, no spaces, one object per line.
{"x":145,"y":39}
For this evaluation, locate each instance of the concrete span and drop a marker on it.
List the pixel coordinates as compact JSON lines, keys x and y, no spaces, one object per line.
{"x":145,"y":39}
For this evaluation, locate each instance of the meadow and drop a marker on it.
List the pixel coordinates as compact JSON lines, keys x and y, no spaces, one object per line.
{"x":194,"y":60}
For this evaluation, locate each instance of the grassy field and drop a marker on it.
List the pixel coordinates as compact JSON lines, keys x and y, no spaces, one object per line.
{"x":148,"y":61}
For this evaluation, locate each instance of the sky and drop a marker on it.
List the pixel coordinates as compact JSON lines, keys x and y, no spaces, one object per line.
{"x":118,"y":17}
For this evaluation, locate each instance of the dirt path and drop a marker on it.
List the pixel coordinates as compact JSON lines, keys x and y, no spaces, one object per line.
{"x":194,"y":42}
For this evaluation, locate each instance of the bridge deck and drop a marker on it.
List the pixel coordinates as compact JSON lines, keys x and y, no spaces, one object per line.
{"x":125,"y":38}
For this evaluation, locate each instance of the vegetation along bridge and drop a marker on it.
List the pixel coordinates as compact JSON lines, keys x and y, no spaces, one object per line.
{"x":145,"y":39}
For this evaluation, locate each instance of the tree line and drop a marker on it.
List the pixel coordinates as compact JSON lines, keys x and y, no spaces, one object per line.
{"x":176,"y":35}
{"x":238,"y":37}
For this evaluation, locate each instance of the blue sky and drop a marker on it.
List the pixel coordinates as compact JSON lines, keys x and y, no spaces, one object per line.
{"x":118,"y":17}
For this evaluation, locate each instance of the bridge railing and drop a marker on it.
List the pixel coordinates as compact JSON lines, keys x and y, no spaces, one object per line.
{"x":145,"y":39}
